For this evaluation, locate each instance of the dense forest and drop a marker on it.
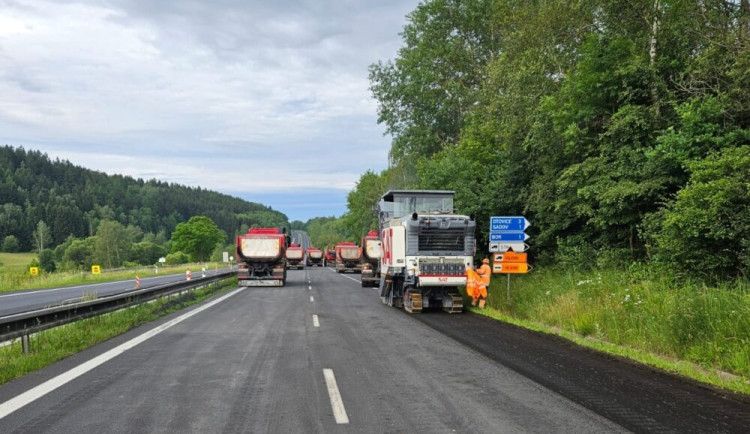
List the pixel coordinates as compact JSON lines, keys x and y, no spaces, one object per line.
{"x":621,"y":129}
{"x":72,"y":202}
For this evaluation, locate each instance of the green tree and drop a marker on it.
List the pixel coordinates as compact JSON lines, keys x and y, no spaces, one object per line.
{"x":706,"y":229}
{"x":113,"y":243}
{"x":80,"y":254}
{"x":177,"y":258}
{"x":10,"y":244}
{"x":424,"y":95}
{"x":42,"y":236}
{"x":362,"y":202}
{"x":147,"y":253}
{"x":47,"y":261}
{"x":197,"y":237}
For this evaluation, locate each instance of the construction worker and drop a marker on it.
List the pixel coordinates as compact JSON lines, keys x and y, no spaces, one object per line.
{"x":472,"y":281}
{"x":484,"y":273}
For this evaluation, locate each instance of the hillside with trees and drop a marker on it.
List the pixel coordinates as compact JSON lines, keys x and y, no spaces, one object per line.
{"x":48,"y":203}
{"x":620,"y":129}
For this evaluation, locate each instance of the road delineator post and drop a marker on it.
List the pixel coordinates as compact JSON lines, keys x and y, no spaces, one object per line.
{"x":188,"y":275}
{"x":25,"y":344}
{"x":137,"y":282}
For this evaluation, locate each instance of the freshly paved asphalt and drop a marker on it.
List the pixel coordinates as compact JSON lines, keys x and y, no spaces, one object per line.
{"x":254,"y":363}
{"x":24,"y":301}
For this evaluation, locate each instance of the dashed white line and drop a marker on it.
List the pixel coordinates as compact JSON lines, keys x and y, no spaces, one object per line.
{"x":309,"y":288}
{"x":48,"y":386}
{"x":337,"y":404}
{"x":316,"y":322}
{"x":311,"y":299}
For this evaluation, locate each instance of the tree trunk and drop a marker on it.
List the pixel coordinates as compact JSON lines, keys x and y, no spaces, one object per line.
{"x":655,"y":22}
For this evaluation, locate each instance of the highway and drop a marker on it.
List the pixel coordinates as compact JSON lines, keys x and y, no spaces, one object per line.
{"x":23,"y":301}
{"x":324,"y":355}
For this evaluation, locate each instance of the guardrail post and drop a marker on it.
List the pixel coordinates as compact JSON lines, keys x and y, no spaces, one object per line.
{"x":25,"y":344}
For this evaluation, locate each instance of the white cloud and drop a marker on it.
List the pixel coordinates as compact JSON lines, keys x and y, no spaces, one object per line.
{"x":277,"y":90}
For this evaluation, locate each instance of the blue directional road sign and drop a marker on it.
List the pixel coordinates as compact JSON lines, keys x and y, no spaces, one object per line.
{"x":508,"y":224}
{"x":508,"y":236}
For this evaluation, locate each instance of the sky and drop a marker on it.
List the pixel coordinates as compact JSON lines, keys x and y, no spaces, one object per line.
{"x":264,"y":100}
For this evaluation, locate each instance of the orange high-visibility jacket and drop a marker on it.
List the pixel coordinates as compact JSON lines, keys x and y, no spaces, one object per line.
{"x":472,"y":283}
{"x":485,"y":272}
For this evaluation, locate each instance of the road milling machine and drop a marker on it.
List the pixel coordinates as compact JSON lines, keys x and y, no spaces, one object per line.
{"x":426,"y":249}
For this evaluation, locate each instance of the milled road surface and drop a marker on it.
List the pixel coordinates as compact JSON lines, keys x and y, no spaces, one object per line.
{"x":24,"y":301}
{"x":255,"y":363}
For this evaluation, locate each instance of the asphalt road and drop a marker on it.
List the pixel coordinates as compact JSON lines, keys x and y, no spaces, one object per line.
{"x":23,"y":301}
{"x":257,"y":362}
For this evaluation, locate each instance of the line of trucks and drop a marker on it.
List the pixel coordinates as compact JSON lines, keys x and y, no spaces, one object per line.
{"x":417,"y":257}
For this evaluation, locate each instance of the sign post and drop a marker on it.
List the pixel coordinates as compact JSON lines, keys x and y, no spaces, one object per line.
{"x":507,"y":236}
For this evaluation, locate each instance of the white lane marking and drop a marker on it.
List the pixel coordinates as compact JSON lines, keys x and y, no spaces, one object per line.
{"x":48,"y":386}
{"x":337,"y":404}
{"x":351,"y":278}
{"x":309,"y":288}
{"x":316,"y":322}
{"x":43,"y":291}
{"x":312,"y":299}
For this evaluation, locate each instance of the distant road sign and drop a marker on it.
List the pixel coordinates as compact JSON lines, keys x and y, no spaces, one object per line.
{"x":510,"y":257}
{"x":508,"y":236}
{"x":503,"y":224}
{"x":504,"y":247}
{"x":510,"y":268}
{"x":96,"y":269}
{"x":34,"y":271}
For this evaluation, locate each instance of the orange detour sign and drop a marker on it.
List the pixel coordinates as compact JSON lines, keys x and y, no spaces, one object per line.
{"x":510,"y":268}
{"x":511,"y":257}
{"x":34,"y":271}
{"x":96,"y":269}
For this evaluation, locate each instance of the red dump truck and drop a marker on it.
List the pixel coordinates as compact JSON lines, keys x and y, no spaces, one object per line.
{"x":314,"y":257}
{"x":295,"y":257}
{"x":330,"y":256}
{"x":371,"y":251}
{"x":348,"y":257}
{"x":260,"y":257}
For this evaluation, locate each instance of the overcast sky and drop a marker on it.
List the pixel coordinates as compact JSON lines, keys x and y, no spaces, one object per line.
{"x":266,"y":100}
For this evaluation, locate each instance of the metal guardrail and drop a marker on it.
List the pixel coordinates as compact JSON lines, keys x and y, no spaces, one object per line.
{"x":21,"y":325}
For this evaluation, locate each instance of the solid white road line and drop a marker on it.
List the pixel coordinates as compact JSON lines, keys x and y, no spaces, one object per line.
{"x":48,"y":386}
{"x":312,"y":299}
{"x":316,"y":322}
{"x":337,"y":404}
{"x":43,"y":291}
{"x":351,"y":278}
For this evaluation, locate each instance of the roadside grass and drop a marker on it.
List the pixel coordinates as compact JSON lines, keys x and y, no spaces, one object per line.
{"x":679,"y":326}
{"x":58,"y":343}
{"x":23,"y":281}
{"x":15,"y":262}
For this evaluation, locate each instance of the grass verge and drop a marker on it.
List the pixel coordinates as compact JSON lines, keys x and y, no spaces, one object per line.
{"x":686,"y":328}
{"x":15,"y":262}
{"x":55,"y":344}
{"x":23,"y":281}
